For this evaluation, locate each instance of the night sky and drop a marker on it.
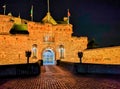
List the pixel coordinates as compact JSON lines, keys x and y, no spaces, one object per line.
{"x":96,"y":19}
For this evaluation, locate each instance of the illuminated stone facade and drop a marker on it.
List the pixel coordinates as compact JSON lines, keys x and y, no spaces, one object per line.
{"x":43,"y":40}
{"x":107,"y":55}
{"x":49,"y":41}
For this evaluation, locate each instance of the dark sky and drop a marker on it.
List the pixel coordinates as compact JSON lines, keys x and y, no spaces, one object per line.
{"x":96,"y":19}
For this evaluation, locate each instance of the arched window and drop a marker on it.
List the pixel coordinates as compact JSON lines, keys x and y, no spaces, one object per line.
{"x":61,"y":51}
{"x":34,"y":51}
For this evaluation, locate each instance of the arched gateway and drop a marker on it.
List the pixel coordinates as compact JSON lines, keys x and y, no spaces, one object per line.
{"x":48,"y":57}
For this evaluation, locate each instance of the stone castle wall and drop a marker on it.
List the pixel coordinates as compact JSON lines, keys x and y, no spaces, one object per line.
{"x":76,"y":45}
{"x":13,"y":47}
{"x":108,"y":55}
{"x":62,"y":36}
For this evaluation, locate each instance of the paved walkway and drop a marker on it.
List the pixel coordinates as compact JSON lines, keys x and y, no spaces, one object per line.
{"x":55,"y":77}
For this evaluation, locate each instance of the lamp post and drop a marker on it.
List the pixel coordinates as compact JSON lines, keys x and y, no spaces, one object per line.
{"x":80,"y":55}
{"x":28,"y":54}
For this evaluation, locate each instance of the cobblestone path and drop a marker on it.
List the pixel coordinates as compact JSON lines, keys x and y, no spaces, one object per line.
{"x":55,"y":77}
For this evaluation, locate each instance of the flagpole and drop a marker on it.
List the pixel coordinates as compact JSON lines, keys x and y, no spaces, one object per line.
{"x":32,"y":13}
{"x":19,"y":15}
{"x":48,"y":10}
{"x":48,"y":6}
{"x":68,"y":20}
{"x":4,"y":9}
{"x":68,"y":17}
